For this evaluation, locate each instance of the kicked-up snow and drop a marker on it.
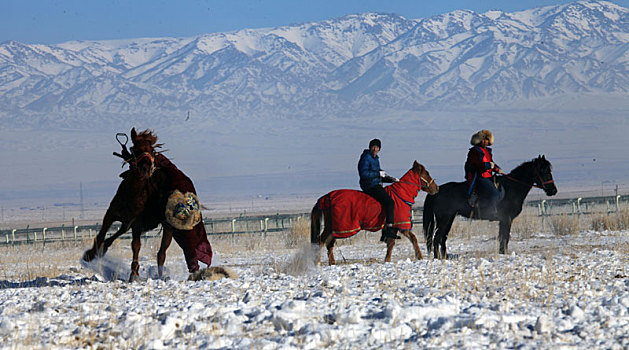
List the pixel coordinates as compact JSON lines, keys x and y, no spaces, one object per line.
{"x":549,"y":292}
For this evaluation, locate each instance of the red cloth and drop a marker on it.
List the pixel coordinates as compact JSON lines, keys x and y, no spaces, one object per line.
{"x":194,"y":243}
{"x":354,"y":210}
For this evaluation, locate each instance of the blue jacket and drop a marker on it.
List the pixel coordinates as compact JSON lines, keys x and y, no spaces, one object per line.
{"x":369,"y":170}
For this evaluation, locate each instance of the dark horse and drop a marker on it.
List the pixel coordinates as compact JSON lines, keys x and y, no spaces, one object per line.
{"x":452,"y":199}
{"x":366,"y":213}
{"x":140,"y":204}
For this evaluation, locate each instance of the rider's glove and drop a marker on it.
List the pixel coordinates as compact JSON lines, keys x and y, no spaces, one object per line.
{"x":383,"y":173}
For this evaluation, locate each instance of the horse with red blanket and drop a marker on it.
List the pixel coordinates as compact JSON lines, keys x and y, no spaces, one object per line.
{"x":346,"y":212}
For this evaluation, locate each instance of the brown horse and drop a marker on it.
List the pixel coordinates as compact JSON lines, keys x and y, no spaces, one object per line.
{"x":346,"y":212}
{"x":138,"y":202}
{"x":154,"y":191}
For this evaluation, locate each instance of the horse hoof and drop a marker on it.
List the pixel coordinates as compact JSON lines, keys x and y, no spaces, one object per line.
{"x":134,"y":278}
{"x":88,"y":255}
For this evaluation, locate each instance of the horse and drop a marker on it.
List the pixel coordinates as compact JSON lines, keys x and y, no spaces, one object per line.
{"x":452,"y":200}
{"x":137,"y":203}
{"x":346,"y":212}
{"x":142,"y":202}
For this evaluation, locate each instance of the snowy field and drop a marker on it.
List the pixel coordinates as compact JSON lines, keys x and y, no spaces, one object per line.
{"x":552,"y":291}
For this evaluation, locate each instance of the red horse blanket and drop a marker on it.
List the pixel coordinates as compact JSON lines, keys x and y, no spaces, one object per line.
{"x":354,"y":210}
{"x":194,"y":242}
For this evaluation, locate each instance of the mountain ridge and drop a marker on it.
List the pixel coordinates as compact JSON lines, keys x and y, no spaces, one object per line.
{"x":366,"y":63}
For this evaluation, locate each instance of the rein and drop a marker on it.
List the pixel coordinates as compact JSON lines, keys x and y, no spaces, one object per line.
{"x":420,"y":182}
{"x":531,"y":185}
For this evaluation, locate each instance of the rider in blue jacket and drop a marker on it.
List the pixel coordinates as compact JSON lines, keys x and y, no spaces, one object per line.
{"x":371,"y":179}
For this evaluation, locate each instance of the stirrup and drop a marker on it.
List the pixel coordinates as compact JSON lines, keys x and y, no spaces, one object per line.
{"x":472,"y":200}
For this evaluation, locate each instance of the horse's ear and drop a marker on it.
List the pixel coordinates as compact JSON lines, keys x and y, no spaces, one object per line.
{"x":543,"y":157}
{"x":133,"y":134}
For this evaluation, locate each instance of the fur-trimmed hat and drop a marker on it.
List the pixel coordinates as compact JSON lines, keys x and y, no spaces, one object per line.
{"x":183,"y":211}
{"x":375,"y":142}
{"x":482,"y":135}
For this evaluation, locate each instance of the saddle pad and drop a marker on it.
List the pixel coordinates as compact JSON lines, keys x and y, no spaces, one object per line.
{"x":353,"y":210}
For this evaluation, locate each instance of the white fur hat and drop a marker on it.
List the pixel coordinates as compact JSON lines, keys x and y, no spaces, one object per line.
{"x":482,"y":135}
{"x":183,"y":211}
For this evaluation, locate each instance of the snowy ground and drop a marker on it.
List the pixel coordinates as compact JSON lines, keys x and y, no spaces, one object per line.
{"x":550,"y":292}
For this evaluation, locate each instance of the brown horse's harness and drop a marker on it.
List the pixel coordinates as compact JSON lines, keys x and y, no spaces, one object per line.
{"x":133,"y":159}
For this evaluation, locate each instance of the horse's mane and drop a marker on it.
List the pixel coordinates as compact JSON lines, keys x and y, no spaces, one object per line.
{"x":150,"y":137}
{"x":525,"y":167}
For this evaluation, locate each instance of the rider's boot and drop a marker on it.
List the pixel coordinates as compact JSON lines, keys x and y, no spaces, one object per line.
{"x":388,"y":231}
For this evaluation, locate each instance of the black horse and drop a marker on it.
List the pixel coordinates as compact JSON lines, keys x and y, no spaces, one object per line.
{"x":451,"y":200}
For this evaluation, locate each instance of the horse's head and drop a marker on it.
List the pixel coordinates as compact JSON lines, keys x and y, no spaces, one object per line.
{"x":543,"y":176}
{"x":143,"y":152}
{"x":428,"y":183}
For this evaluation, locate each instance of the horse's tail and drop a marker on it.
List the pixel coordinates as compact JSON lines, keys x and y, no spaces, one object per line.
{"x":428,"y":220}
{"x":315,"y":224}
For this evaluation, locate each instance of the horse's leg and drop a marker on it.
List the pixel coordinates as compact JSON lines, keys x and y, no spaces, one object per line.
{"x":167,"y":237}
{"x":124,"y":227}
{"x":329,"y":243}
{"x":136,"y":243}
{"x":97,"y":248}
{"x":429,"y":235}
{"x":315,"y":230}
{"x":504,"y":234}
{"x":390,"y":245}
{"x":411,"y":237}
{"x":444,"y":224}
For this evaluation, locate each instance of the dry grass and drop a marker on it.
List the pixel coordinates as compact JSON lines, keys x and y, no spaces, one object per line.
{"x":611,"y":221}
{"x":299,"y":233}
{"x":526,"y":224}
{"x":563,"y":225}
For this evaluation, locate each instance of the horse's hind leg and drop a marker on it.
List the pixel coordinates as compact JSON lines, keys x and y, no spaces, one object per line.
{"x":411,"y":237}
{"x":167,"y":238}
{"x":329,"y":243}
{"x":390,"y":244}
{"x":429,"y":234}
{"x":443,"y":228}
{"x":136,"y":244}
{"x":98,"y":247}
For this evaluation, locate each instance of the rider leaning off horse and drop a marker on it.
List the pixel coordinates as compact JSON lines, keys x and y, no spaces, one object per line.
{"x":371,"y":179}
{"x":479,"y":171}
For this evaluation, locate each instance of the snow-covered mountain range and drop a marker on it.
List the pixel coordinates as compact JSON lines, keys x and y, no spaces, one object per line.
{"x":364,"y":63}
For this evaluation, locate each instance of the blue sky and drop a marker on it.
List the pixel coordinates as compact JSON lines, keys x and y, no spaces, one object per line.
{"x":54,"y":21}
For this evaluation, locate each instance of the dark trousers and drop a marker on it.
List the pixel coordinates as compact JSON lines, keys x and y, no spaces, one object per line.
{"x":488,"y":194}
{"x":379,"y":194}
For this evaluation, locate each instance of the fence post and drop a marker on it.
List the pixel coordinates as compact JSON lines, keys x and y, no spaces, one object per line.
{"x":7,"y":239}
{"x":43,"y":233}
{"x":63,"y":232}
{"x":266,"y":225}
{"x":579,"y":204}
{"x":617,"y":199}
{"x":13,"y":236}
{"x":35,"y":236}
{"x":75,"y":228}
{"x":543,"y":207}
{"x":233,"y":226}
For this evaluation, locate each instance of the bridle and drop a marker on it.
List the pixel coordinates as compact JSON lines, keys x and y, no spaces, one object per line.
{"x":148,"y":155}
